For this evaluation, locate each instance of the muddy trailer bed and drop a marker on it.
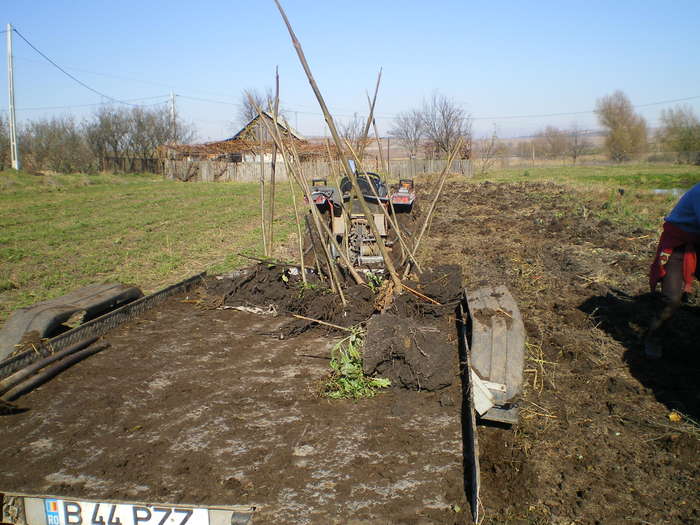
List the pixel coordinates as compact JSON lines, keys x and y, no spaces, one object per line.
{"x":210,"y":407}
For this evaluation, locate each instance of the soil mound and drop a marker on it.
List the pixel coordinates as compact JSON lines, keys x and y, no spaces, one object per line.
{"x":412,"y":355}
{"x":282,"y":288}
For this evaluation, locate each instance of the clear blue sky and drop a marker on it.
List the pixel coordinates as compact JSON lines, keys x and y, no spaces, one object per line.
{"x":496,"y":58}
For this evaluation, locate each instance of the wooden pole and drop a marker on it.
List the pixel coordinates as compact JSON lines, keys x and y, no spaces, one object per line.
{"x":355,"y":275}
{"x":262,"y":190}
{"x":338,"y":144}
{"x":273,"y":163}
{"x":336,"y":182}
{"x":388,"y":158}
{"x":391,"y":220}
{"x":438,"y":191}
{"x":301,"y":180}
{"x":370,"y":118}
{"x":300,"y":239}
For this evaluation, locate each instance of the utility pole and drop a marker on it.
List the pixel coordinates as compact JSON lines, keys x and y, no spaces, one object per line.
{"x":11,"y":91}
{"x":173,"y":121}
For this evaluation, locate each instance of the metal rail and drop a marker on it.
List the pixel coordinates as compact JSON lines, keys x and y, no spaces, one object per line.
{"x":96,"y":327}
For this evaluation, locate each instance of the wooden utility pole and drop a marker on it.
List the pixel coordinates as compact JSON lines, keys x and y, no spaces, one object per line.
{"x":14,"y":153}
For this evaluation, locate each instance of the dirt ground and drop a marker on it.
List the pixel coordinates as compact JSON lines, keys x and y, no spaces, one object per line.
{"x":207,"y":406}
{"x":595,"y":443}
{"x":188,"y":383}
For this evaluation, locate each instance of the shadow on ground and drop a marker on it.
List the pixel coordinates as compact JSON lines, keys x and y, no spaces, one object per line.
{"x":674,"y":378}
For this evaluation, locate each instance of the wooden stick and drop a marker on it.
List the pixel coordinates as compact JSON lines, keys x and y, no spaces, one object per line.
{"x":262,"y":190}
{"x":355,"y":275}
{"x":298,"y":222}
{"x":385,"y":168}
{"x":370,"y":118}
{"x":443,"y":178}
{"x":346,"y":214}
{"x":338,"y":144}
{"x":420,"y":295}
{"x":322,"y":322}
{"x":391,"y":220}
{"x":273,"y":164}
{"x":332,"y":275}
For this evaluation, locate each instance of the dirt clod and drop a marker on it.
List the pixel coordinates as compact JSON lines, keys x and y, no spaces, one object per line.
{"x":407,"y":353}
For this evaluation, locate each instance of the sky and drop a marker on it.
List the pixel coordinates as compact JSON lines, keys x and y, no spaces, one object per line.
{"x":498,"y":59}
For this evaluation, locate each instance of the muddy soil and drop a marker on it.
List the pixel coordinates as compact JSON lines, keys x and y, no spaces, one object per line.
{"x":595,"y":443}
{"x":206,"y":406}
{"x":410,"y":354}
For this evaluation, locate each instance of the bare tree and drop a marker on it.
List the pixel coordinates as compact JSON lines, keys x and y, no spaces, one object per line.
{"x":487,"y":150}
{"x":409,"y":130}
{"x":107,"y":133}
{"x":680,"y":132}
{"x":577,"y":142}
{"x":56,"y":144}
{"x":444,"y":121}
{"x":247,"y":111}
{"x":626,"y":131}
{"x":352,"y":130}
{"x":133,"y":132}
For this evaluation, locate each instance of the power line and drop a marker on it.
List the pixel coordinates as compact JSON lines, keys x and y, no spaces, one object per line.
{"x":68,"y":74}
{"x":378,"y":116}
{"x":94,"y":104}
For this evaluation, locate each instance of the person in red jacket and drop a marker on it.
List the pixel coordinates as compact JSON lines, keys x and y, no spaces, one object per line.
{"x":675,"y":264}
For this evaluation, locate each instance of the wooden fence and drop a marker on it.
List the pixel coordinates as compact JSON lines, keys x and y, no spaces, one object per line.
{"x":214,"y":171}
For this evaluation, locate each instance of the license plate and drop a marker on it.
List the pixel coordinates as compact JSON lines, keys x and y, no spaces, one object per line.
{"x":68,"y":512}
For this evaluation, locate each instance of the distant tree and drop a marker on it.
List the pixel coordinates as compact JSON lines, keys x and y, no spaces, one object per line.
{"x":409,"y":130}
{"x":57,"y":144}
{"x":487,"y":151}
{"x":680,"y":132}
{"x":133,"y":132}
{"x":577,"y":143}
{"x":352,"y":130}
{"x":626,"y":131}
{"x":444,"y":121}
{"x":552,"y":142}
{"x":107,"y":132}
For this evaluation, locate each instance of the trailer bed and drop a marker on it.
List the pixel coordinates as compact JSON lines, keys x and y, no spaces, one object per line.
{"x":211,"y":407}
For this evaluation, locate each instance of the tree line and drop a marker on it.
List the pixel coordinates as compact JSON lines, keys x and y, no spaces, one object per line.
{"x":66,"y":145}
{"x":431,"y":128}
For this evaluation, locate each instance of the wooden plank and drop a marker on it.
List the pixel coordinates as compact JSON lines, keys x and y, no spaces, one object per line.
{"x":499,"y":341}
{"x":515,"y":344}
{"x":480,"y":352}
{"x":502,"y":415}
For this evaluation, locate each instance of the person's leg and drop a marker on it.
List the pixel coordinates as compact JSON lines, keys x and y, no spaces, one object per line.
{"x":672,"y":290}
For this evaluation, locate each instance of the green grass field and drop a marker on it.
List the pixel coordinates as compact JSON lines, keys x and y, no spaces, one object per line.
{"x":629,"y":176}
{"x":59,"y":232}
